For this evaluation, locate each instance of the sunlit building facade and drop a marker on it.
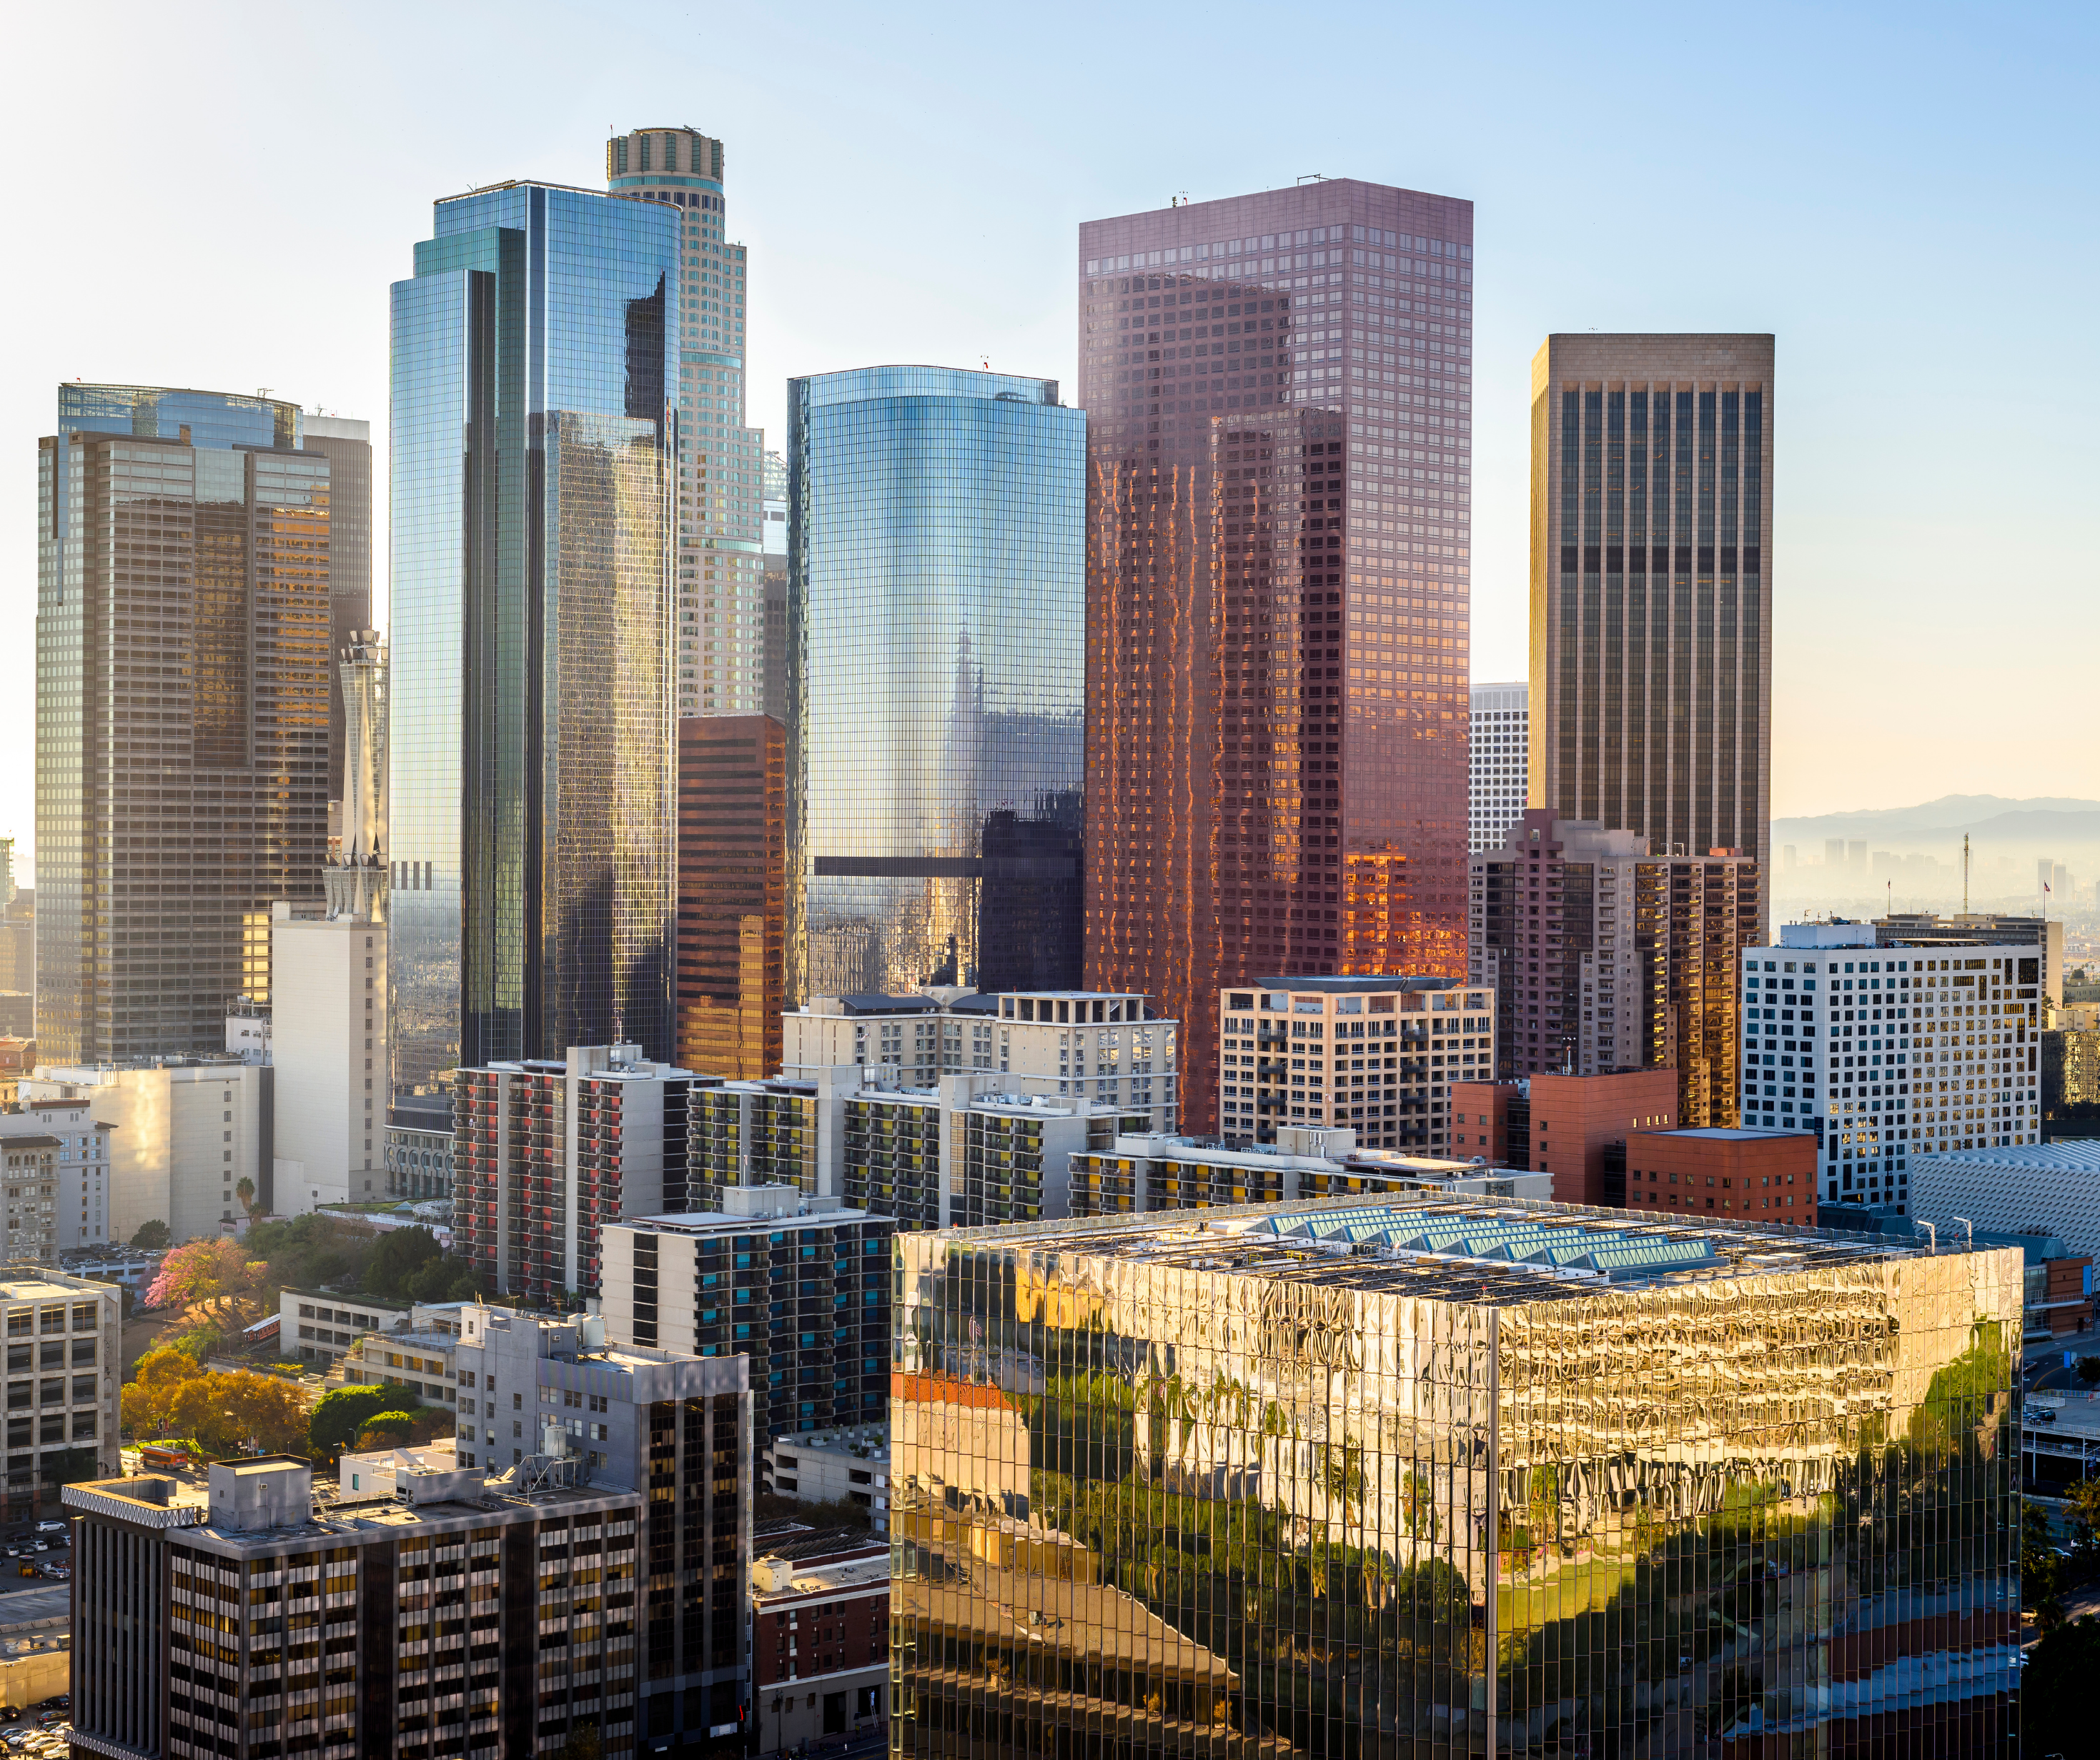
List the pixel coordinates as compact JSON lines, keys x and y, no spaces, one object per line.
{"x":1452,"y":1475}
{"x":530,"y":755}
{"x":937,"y":683}
{"x":1279,"y":487}
{"x":1652,"y":586}
{"x":732,"y":893}
{"x":182,"y":662}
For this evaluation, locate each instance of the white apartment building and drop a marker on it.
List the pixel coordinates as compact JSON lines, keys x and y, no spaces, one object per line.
{"x":328,"y":986}
{"x":1140,"y":1174}
{"x":183,"y":1134}
{"x":1377,"y":1054}
{"x":1887,"y":1052}
{"x":80,"y":1166}
{"x":1106,"y":1046}
{"x":1500,"y":763}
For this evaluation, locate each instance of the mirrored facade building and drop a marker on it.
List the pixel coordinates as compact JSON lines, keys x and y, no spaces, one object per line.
{"x":531,"y":756}
{"x":937,"y":686}
{"x":182,"y":606}
{"x":1279,"y":393}
{"x":1440,"y":1475}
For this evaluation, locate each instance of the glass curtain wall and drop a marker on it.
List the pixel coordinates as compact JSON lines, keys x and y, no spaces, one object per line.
{"x":936,"y":681}
{"x":1161,"y":1489}
{"x":531,"y":765}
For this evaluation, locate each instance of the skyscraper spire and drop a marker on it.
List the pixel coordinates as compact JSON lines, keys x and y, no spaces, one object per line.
{"x":356,"y":880}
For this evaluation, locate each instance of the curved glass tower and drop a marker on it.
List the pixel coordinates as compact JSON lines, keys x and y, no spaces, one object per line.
{"x":530,"y":754}
{"x":936,"y":606}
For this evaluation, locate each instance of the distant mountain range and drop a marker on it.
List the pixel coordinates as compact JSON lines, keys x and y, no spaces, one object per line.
{"x":1990,"y":819}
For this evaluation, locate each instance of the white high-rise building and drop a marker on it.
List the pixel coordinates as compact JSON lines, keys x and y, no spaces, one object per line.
{"x":1500,"y":763}
{"x":328,"y":980}
{"x":722,"y":584}
{"x":1891,"y":1051}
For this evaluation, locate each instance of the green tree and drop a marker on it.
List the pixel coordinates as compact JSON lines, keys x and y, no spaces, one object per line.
{"x":2056,"y":1711}
{"x":446,"y":1279}
{"x":2041,"y":1570}
{"x":387,"y":1429}
{"x":314,"y":1252}
{"x":244,"y":1189}
{"x":153,"y":1236}
{"x":340,"y":1415}
{"x":396,"y":1257}
{"x":2088,"y":1369}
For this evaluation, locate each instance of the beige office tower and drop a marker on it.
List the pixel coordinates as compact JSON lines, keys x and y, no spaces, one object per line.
{"x":722,"y":660}
{"x":1651,"y":587}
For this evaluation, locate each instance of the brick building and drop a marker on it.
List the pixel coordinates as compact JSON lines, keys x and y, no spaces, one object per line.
{"x":1769,"y":1175}
{"x":819,"y":1636}
{"x":1575,"y":1127}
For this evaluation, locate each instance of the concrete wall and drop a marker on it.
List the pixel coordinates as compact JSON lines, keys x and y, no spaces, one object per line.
{"x":330,"y":1065}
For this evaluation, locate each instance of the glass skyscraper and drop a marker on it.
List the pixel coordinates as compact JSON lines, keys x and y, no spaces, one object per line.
{"x":183,"y":599}
{"x":346,"y":441}
{"x":531,"y":756}
{"x":1435,"y":1477}
{"x":1279,"y":395}
{"x":721,"y":663}
{"x":1651,"y":586}
{"x":937,"y":684}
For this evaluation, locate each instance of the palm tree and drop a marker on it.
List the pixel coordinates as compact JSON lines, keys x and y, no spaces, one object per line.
{"x":245,"y":1190}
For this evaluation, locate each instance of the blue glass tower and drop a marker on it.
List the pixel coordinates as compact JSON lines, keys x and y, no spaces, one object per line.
{"x":530,"y":756}
{"x":936,"y":681}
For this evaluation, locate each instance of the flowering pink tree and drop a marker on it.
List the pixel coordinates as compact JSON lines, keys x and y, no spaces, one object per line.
{"x":216,"y":1274}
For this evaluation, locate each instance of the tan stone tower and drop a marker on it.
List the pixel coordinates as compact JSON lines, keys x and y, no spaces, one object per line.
{"x":1651,"y":587}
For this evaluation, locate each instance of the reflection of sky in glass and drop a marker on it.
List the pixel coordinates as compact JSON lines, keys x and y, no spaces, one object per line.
{"x":1242,"y":1495}
{"x":531,"y":765}
{"x":937,"y":574}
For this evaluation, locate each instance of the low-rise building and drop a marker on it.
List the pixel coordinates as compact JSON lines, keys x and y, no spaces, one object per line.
{"x":1574,"y":1128}
{"x":1105,"y":1047}
{"x":846,"y":1466}
{"x":1768,"y":1176}
{"x":415,"y":1354}
{"x":320,"y":1326}
{"x":798,"y":1284}
{"x":819,"y":1641}
{"x":1378,"y":1054}
{"x":2050,"y":1188}
{"x":419,"y":1161}
{"x":1140,"y":1173}
{"x":261,"y":1614}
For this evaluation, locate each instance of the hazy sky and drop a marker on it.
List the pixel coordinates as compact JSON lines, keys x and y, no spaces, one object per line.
{"x":218,"y":194}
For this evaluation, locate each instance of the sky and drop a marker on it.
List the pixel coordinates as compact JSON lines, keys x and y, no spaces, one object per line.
{"x":218,"y":194}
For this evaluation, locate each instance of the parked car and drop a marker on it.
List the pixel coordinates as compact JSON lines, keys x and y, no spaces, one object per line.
{"x":50,"y":1527}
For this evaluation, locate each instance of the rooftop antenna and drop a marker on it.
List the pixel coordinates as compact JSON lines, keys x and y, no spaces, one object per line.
{"x":1964,"y":873}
